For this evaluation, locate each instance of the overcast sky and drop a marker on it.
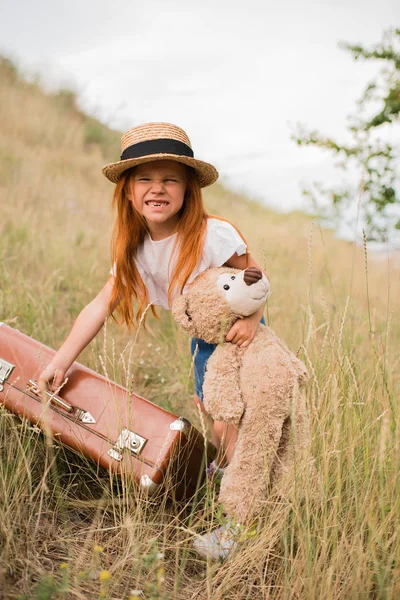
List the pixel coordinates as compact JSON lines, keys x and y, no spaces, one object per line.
{"x":236,"y":75}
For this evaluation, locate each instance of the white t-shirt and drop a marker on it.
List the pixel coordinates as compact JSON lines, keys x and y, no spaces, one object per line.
{"x":155,"y":262}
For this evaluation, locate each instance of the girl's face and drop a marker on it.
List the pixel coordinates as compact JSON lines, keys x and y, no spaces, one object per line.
{"x":157,"y":192}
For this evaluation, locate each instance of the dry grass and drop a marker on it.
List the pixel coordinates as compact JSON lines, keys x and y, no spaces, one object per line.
{"x":69,"y":531}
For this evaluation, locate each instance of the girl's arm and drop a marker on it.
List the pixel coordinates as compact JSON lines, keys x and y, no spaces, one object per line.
{"x":243,"y":331}
{"x":87,"y":325}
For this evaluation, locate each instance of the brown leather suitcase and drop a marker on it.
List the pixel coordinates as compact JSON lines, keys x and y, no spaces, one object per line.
{"x":94,"y":416}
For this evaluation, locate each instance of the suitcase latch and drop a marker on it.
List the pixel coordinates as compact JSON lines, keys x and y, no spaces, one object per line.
{"x":79,"y":413}
{"x":5,"y":370}
{"x":127,"y":440}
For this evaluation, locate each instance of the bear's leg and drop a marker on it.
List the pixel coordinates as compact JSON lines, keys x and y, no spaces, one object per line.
{"x":293,"y":455}
{"x":248,"y":478}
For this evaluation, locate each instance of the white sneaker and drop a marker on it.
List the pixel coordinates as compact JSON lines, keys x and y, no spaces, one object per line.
{"x":218,"y":544}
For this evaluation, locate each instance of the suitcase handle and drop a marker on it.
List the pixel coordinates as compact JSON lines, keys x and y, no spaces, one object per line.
{"x":79,"y":413}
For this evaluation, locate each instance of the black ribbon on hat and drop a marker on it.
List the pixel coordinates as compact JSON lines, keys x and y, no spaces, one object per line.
{"x":160,"y":146}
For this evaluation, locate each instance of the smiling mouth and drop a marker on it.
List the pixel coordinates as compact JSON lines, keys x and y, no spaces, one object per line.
{"x":156,"y":203}
{"x":259,"y":297}
{"x":258,"y":294}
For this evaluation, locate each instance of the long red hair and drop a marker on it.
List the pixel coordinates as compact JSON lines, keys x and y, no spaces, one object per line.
{"x":129,"y":231}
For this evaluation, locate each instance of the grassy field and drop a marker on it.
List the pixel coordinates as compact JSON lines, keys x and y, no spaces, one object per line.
{"x":65,"y":532}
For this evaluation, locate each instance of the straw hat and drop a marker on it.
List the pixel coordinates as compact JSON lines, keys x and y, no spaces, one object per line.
{"x":158,"y":141}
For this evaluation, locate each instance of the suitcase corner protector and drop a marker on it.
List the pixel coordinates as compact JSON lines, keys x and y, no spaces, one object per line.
{"x":181,"y":424}
{"x":148,"y":485}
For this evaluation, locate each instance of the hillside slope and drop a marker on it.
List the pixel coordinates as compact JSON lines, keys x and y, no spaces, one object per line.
{"x":56,"y":220}
{"x":72,"y":529}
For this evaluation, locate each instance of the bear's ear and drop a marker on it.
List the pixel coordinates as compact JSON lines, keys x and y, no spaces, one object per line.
{"x":180,"y":311}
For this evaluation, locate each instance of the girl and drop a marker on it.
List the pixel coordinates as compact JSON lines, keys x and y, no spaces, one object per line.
{"x":162,"y":239}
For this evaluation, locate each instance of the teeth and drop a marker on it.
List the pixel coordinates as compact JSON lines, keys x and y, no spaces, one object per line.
{"x":157,"y":203}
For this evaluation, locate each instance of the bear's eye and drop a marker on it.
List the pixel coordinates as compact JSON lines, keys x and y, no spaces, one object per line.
{"x":226,"y":287}
{"x":233,"y":277}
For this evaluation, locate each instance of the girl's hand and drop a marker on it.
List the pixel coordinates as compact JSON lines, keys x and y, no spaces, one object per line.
{"x":52,"y":377}
{"x":243,"y":331}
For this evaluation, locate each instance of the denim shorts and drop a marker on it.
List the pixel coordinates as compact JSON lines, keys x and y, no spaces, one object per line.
{"x":204,"y":351}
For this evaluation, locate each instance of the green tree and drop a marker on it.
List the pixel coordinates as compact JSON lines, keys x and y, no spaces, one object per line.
{"x":374,"y":159}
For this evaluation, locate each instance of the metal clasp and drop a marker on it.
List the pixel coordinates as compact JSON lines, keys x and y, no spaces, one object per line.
{"x":128,"y":440}
{"x":5,"y":370}
{"x":79,"y":413}
{"x":181,"y":424}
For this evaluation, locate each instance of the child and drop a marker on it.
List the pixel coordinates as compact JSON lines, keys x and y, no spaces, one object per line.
{"x":162,"y":239}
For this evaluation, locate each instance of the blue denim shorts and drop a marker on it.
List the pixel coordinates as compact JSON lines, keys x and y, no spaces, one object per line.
{"x":204,"y":351}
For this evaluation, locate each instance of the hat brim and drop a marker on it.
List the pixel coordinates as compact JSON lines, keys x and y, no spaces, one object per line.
{"x":206,"y":173}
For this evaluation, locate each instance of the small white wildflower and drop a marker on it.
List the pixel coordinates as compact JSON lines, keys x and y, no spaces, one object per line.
{"x":149,"y":345}
{"x":146,"y":376}
{"x":159,"y":555}
{"x":158,"y":349}
{"x":136,"y":593}
{"x":162,"y":380}
{"x":141,"y":362}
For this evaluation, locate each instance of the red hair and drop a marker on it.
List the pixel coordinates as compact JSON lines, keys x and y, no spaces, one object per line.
{"x":129,"y":231}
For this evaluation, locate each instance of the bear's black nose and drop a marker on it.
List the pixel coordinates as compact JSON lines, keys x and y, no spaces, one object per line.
{"x":252,"y":275}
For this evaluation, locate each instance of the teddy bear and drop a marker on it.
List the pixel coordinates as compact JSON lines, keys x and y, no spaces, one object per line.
{"x":259,"y":389}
